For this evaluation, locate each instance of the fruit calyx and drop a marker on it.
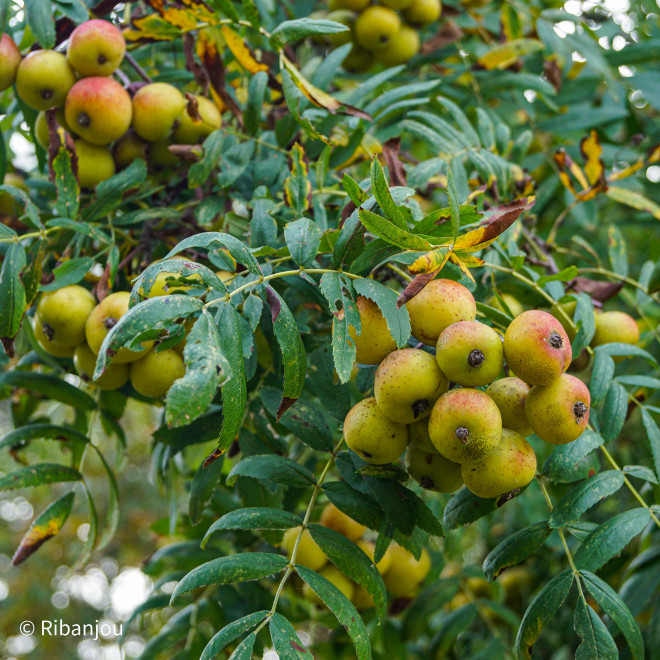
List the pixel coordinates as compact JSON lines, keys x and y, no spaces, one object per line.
{"x":420,"y":406}
{"x":580,"y":410}
{"x":555,"y":340}
{"x":476,"y":358}
{"x":462,"y":434}
{"x":110,"y":322}
{"x":48,"y":331}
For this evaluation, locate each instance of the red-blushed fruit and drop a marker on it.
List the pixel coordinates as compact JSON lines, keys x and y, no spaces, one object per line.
{"x":129,"y":147}
{"x":559,"y":412}
{"x":509,"y":395}
{"x":95,"y":164}
{"x":406,"y":573}
{"x":191,"y":131}
{"x":43,"y":79}
{"x":615,"y":326}
{"x":155,"y":373}
{"x":537,"y":348}
{"x":63,"y":313}
{"x":333,"y":518}
{"x":98,"y":109}
{"x":157,"y":109}
{"x":95,"y":48}
{"x":433,"y":471}
{"x":10,"y":58}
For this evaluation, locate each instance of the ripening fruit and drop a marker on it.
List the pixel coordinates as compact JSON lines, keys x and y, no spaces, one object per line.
{"x":465,"y":425}
{"x":157,"y":109}
{"x":333,"y":518}
{"x":509,"y":395}
{"x":43,"y":79}
{"x":418,"y":435}
{"x":375,"y":342}
{"x":129,"y":147}
{"x":192,"y":131}
{"x":372,"y":436}
{"x":433,"y":471}
{"x":369,"y":549}
{"x":95,"y":164}
{"x":345,"y":17}
{"x":511,"y":302}
{"x":537,"y":348}
{"x":309,"y":554}
{"x":470,"y":353}
{"x":41,"y":132}
{"x":8,"y":205}
{"x":161,"y":286}
{"x":47,"y":345}
{"x":103,"y":318}
{"x":114,"y":376}
{"x":615,"y":327}
{"x":407,"y":384}
{"x":95,"y":48}
{"x":353,"y":5}
{"x":358,"y":60}
{"x":336,"y":577}
{"x":98,"y":109}
{"x":406,"y":573}
{"x":423,"y":12}
{"x":439,"y":304}
{"x":154,"y":374}
{"x":559,"y":412}
{"x":362,"y":599}
{"x":511,"y":465}
{"x":375,"y":27}
{"x":403,"y":45}
{"x":10,"y":58}
{"x":62,"y":314}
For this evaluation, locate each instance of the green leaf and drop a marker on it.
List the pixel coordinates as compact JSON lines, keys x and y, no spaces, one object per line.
{"x":641,"y":472}
{"x":625,"y":350}
{"x":465,"y":507}
{"x":230,"y":632}
{"x":200,"y":172}
{"x":67,"y":203}
{"x":566,"y":463}
{"x":614,"y":412}
{"x":354,"y":503}
{"x":453,"y":625}
{"x":41,"y":20}
{"x":301,"y":28}
{"x":50,"y":386}
{"x":298,"y":187}
{"x":192,"y":273}
{"x":244,"y":650}
{"x":585,"y":495}
{"x":596,"y":643}
{"x":515,"y":549}
{"x":202,"y":486}
{"x":303,"y":238}
{"x":242,"y":567}
{"x":653,"y":434}
{"x":12,"y":291}
{"x":454,"y":209}
{"x":353,"y":189}
{"x":610,"y":538}
{"x":617,"y":250}
{"x":381,"y":191}
{"x":110,"y":193}
{"x":24,"y":434}
{"x":234,"y":162}
{"x":389,"y":232}
{"x":285,"y":639}
{"x":271,"y":467}
{"x":540,"y":611}
{"x":250,"y":518}
{"x":601,"y":376}
{"x":633,"y":199}
{"x":256,"y":90}
{"x":175,"y":629}
{"x":565,"y":275}
{"x":342,"y":608}
{"x":38,"y":475}
{"x":70,"y":272}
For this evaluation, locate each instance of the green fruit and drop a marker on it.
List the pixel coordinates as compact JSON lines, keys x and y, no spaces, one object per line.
{"x":192,"y":131}
{"x":358,"y":60}
{"x":423,"y":12}
{"x":369,"y":549}
{"x":510,"y":466}
{"x":433,"y":471}
{"x":95,"y":164}
{"x":10,"y":58}
{"x":62,"y":314}
{"x":155,"y":373}
{"x":308,"y":554}
{"x":166,"y":282}
{"x":128,"y":148}
{"x":406,"y":573}
{"x":407,"y":384}
{"x":345,"y":17}
{"x":418,"y":435}
{"x":536,"y":347}
{"x":439,"y":304}
{"x":47,"y":345}
{"x":396,"y":4}
{"x":375,"y":27}
{"x":465,"y":425}
{"x":509,"y":395}
{"x":43,"y":79}
{"x":373,"y":436}
{"x":511,"y":302}
{"x":559,"y":412}
{"x":95,"y":48}
{"x":337,"y":578}
{"x":615,"y":327}
{"x":114,"y":376}
{"x":403,"y":45}
{"x":8,"y":205}
{"x":333,"y":518}
{"x":41,"y":132}
{"x":157,"y":109}
{"x":470,"y":353}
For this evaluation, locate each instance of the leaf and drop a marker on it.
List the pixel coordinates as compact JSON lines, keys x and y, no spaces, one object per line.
{"x":23,"y":434}
{"x":241,"y":52}
{"x":641,"y":472}
{"x":244,"y":650}
{"x":504,"y":55}
{"x":230,"y":632}
{"x":42,"y":22}
{"x":389,"y":232}
{"x":633,"y":199}
{"x":67,"y":203}
{"x":453,"y":625}
{"x":12,"y":291}
{"x":540,"y":611}
{"x":38,"y":475}
{"x":298,"y":187}
{"x":285,"y":639}
{"x":48,"y":524}
{"x":565,"y":463}
{"x":109,"y":194}
{"x":515,"y":549}
{"x":203,"y":485}
{"x":200,"y":171}
{"x":381,"y":191}
{"x":50,"y":386}
{"x":610,"y":538}
{"x":250,"y":518}
{"x":242,"y":567}
{"x":585,"y":495}
{"x":454,"y":209}
{"x":70,"y":272}
{"x":601,"y":377}
{"x":303,"y":27}
{"x":596,"y":643}
{"x":354,"y":503}
{"x":614,"y":411}
{"x":564,"y":275}
{"x":397,"y":319}
{"x":303,"y":238}
{"x":465,"y":507}
{"x":653,"y":434}
{"x":271,"y":467}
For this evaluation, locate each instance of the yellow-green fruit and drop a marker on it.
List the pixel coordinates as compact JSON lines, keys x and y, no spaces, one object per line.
{"x":362,"y":599}
{"x":41,"y":133}
{"x":155,"y":373}
{"x":375,"y":27}
{"x":358,"y":60}
{"x":353,"y":5}
{"x":114,"y":376}
{"x":103,"y":318}
{"x":95,"y":164}
{"x":335,"y":519}
{"x":407,"y":384}
{"x":8,"y":205}
{"x":309,"y":554}
{"x":562,"y":310}
{"x":418,"y":435}
{"x":369,"y":549}
{"x":336,"y":577}
{"x":439,"y":304}
{"x":423,"y":12}
{"x":192,"y":131}
{"x":96,"y":48}
{"x":10,"y":58}
{"x":63,"y":314}
{"x":157,"y":109}
{"x":511,"y":465}
{"x":43,"y":79}
{"x":406,"y":573}
{"x":559,"y":412}
{"x":403,"y":45}
{"x":375,"y":342}
{"x":345,"y":17}
{"x":160,"y":155}
{"x":509,"y":395}
{"x":166,"y":281}
{"x":433,"y":471}
{"x":47,"y":345}
{"x":396,"y":4}
{"x":511,"y":302}
{"x":536,"y":347}
{"x":372,"y":436}
{"x":128,"y":148}
{"x":465,"y":425}
{"x":615,"y":327}
{"x":470,"y":353}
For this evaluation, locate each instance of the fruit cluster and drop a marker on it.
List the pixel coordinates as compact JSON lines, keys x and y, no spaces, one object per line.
{"x":385,"y":33}
{"x":110,"y":128}
{"x":430,"y":405}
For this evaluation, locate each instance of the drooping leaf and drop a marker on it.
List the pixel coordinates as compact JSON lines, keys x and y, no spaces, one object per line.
{"x":596,"y":643}
{"x":48,"y":385}
{"x":38,"y":475}
{"x":253,"y":518}
{"x":286,"y":640}
{"x":279,"y":469}
{"x":465,"y":507}
{"x":230,"y":632}
{"x":12,"y":291}
{"x":566,"y":463}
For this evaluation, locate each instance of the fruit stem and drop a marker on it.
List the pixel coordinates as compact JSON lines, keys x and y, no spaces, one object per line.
{"x":138,"y":69}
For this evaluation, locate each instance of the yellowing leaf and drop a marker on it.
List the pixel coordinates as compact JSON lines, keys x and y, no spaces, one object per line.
{"x":241,"y":52}
{"x":297,"y":187}
{"x":457,"y":261}
{"x":431,"y":261}
{"x":506,"y":54}
{"x":633,"y":199}
{"x":152,"y":28}
{"x":591,"y":152}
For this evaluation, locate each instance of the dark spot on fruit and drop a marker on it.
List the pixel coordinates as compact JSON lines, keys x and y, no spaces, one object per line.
{"x":580,"y":410}
{"x":175,"y":124}
{"x":110,"y":322}
{"x":85,"y":377}
{"x":384,"y":38}
{"x":101,"y":59}
{"x":366,"y":454}
{"x":555,"y":340}
{"x":427,"y":483}
{"x":48,"y":331}
{"x":462,"y":434}
{"x":83,"y":120}
{"x":420,"y":406}
{"x":46,"y":94}
{"x":476,"y":358}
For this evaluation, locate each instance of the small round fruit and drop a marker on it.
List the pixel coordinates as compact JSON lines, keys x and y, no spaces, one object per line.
{"x":615,"y":327}
{"x":407,"y":384}
{"x":376,"y":26}
{"x":510,"y":466}
{"x":439,"y":304}
{"x":95,"y":164}
{"x":308,"y":554}
{"x":114,"y":376}
{"x":157,"y":109}
{"x":192,"y":131}
{"x":559,"y":412}
{"x":96,"y":48}
{"x":537,"y":348}
{"x":335,"y":519}
{"x":372,"y":436}
{"x":353,"y":5}
{"x":358,"y":60}
{"x":10,"y":58}
{"x":470,"y":353}
{"x":345,"y":17}
{"x":406,"y":573}
{"x":62,"y":314}
{"x":465,"y":425}
{"x":396,"y":4}
{"x":423,"y":12}
{"x":511,"y":302}
{"x":433,"y":471}
{"x":9,"y":206}
{"x":362,"y":599}
{"x":128,"y":148}
{"x":43,"y":79}
{"x":404,"y":45}
{"x":369,"y":549}
{"x":337,"y":578}
{"x":47,"y":345}
{"x":418,"y":435}
{"x":509,"y":395}
{"x":155,"y":373}
{"x":165,"y":282}
{"x":562,"y":311}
